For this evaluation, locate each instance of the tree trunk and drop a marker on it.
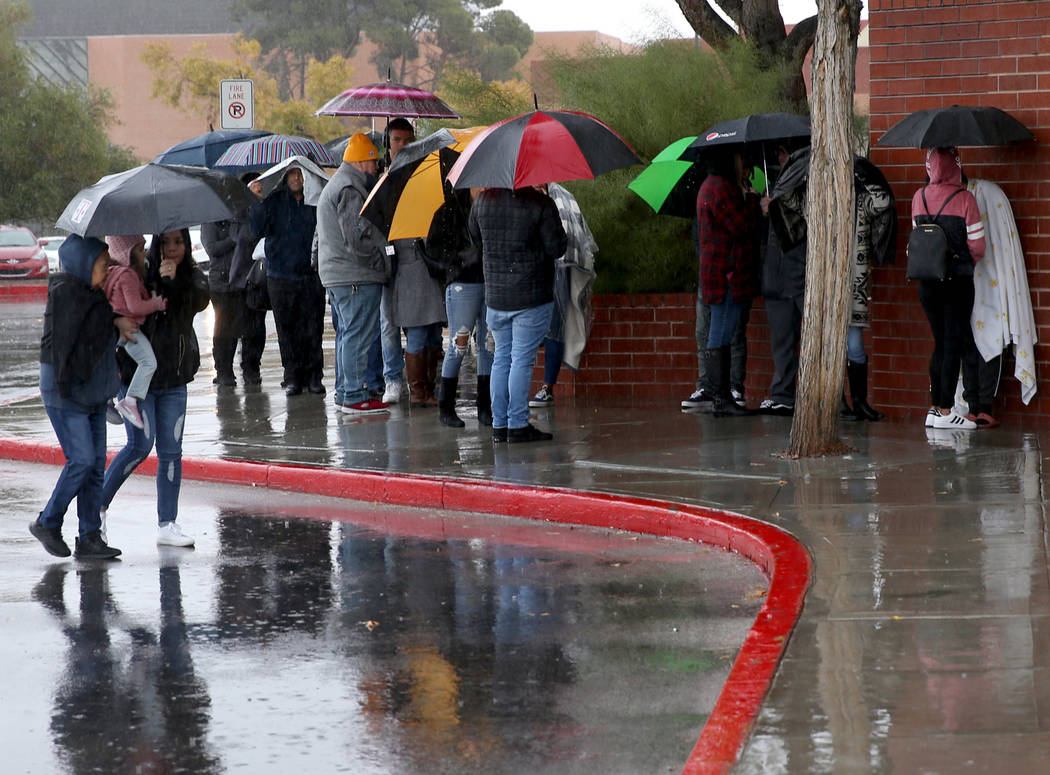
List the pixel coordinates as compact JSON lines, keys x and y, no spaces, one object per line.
{"x":830,"y":217}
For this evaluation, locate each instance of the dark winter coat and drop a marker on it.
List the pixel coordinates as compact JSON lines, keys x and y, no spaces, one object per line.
{"x":220,"y":244}
{"x":287,"y":225}
{"x":521,"y":234}
{"x":78,"y":367}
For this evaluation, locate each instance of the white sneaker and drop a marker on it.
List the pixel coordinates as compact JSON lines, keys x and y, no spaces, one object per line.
{"x":392,"y":392}
{"x":170,"y":534}
{"x":738,"y":398}
{"x":128,"y":407}
{"x":931,"y":417}
{"x":953,"y":421}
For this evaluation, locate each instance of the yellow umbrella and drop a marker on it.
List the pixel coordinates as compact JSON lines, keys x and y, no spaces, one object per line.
{"x":406,"y":197}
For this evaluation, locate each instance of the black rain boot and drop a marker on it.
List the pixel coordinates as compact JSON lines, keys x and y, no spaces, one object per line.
{"x":845,"y":410}
{"x":447,"y":403}
{"x":484,"y":401}
{"x":858,"y":388}
{"x":718,"y":370}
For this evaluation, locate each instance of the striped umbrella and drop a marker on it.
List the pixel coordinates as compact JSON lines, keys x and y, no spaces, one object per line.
{"x":261,"y":153}
{"x":387,"y":99}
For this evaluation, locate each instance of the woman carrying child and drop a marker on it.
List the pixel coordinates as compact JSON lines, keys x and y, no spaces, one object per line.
{"x":171,"y":272}
{"x":126,"y":290}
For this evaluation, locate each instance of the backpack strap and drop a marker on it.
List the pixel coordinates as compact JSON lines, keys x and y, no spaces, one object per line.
{"x":945,"y":204}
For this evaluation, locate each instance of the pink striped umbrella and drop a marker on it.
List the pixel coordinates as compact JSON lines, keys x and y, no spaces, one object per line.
{"x":387,"y":99}
{"x":261,"y":153}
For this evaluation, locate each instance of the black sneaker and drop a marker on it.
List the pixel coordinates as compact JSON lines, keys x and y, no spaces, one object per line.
{"x":769,"y":406}
{"x":697,"y":400}
{"x":499,"y":435}
{"x":50,"y":537}
{"x":92,"y":547}
{"x":527,"y":434}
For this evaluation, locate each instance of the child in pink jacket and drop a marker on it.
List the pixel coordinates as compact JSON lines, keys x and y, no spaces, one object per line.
{"x":128,"y":296}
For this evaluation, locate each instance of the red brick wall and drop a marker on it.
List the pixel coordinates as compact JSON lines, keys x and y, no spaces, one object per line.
{"x":643,"y":348}
{"x":931,"y":53}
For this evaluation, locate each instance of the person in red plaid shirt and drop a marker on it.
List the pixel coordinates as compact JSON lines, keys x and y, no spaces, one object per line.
{"x":728,"y":215}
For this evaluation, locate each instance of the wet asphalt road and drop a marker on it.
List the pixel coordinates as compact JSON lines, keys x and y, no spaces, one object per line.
{"x":334,"y":636}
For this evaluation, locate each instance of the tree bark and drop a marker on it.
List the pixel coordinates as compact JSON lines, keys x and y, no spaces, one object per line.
{"x":830,"y":216}
{"x":760,"y":23}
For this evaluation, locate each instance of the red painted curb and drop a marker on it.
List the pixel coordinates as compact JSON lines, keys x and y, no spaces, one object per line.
{"x":780,"y":556}
{"x":28,"y":292}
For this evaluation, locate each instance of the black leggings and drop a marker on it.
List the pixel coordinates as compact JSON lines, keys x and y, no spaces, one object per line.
{"x":948,"y":305}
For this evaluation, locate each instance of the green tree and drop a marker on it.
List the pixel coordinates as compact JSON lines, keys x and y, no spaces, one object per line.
{"x":54,"y":137}
{"x":759,"y":23}
{"x":293,"y":32}
{"x":479,"y":102}
{"x":669,"y":90}
{"x":191,"y":82}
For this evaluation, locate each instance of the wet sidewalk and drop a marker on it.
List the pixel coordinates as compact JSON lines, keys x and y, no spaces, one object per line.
{"x":924,"y":642}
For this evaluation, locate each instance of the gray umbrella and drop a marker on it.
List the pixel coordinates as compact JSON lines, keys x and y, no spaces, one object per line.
{"x":153,"y":199}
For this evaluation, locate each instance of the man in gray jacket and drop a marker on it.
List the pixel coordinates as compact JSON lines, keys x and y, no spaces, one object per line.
{"x":352,"y":266}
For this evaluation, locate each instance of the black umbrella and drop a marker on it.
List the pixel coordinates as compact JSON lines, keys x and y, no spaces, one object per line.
{"x":954,"y":126}
{"x":203,"y":150}
{"x":153,"y":199}
{"x":787,"y":206}
{"x":756,"y":128}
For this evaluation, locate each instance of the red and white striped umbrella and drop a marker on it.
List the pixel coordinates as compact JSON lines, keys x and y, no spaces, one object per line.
{"x":261,"y":153}
{"x":387,"y":99}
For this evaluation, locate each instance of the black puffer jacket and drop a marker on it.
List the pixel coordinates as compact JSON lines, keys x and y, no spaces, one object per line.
{"x":171,"y":331}
{"x":520,"y":234}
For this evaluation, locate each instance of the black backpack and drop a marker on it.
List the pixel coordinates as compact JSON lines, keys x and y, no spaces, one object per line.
{"x":929,"y":254}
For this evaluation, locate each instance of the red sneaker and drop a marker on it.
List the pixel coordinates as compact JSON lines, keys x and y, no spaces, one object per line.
{"x":369,"y":406}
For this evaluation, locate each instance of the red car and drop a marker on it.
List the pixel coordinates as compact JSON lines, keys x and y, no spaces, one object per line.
{"x":21,"y":256}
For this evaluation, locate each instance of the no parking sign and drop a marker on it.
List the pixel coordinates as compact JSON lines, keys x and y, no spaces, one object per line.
{"x":236,"y":104}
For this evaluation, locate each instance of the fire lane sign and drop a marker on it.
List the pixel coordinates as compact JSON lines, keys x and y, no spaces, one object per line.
{"x":236,"y":104}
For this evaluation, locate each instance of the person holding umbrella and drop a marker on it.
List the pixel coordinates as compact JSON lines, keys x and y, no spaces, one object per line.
{"x":351,"y":263}
{"x":287,"y":224}
{"x":727,"y":213}
{"x":78,"y":374}
{"x":521,"y":235}
{"x":948,"y":303}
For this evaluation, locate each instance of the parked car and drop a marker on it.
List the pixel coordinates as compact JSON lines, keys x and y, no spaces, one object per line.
{"x":51,"y":246}
{"x":21,"y":256}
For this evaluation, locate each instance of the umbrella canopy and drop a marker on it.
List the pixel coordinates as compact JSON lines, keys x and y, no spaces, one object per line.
{"x":756,"y":128}
{"x":956,"y":125}
{"x":314,"y":178}
{"x":203,"y":150}
{"x":337,"y":147}
{"x":263,"y":152}
{"x":387,"y":99}
{"x":541,"y":147}
{"x":153,"y":199}
{"x":668,"y":185}
{"x":405,"y":199}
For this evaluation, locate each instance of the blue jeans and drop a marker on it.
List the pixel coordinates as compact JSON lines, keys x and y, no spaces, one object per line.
{"x":553,"y":354}
{"x":724,"y":319}
{"x":163,"y":414}
{"x":465,"y":308}
{"x":517,"y":334}
{"x":420,"y":338}
{"x":855,"y":345}
{"x":393,"y":355}
{"x":141,"y":351}
{"x":357,"y":310}
{"x":82,"y":436}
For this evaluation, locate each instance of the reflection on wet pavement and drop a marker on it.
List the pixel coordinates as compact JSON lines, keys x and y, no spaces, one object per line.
{"x":306,"y":632}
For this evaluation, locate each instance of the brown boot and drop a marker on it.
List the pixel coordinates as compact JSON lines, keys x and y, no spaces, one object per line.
{"x":415,"y":375}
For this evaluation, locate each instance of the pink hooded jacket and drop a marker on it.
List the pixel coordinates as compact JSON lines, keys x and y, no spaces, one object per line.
{"x":961,"y":214}
{"x":124,"y":286}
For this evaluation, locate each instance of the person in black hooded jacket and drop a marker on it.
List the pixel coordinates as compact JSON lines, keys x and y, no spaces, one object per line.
{"x":171,"y":272}
{"x":78,"y":375}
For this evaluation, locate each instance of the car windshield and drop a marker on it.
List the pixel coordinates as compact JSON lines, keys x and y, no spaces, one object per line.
{"x":16,"y":238}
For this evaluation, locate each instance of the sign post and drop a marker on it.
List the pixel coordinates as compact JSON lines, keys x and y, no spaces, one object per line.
{"x":236,"y":104}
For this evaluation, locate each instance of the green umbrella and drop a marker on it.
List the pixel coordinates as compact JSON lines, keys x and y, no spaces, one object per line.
{"x":669,"y":185}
